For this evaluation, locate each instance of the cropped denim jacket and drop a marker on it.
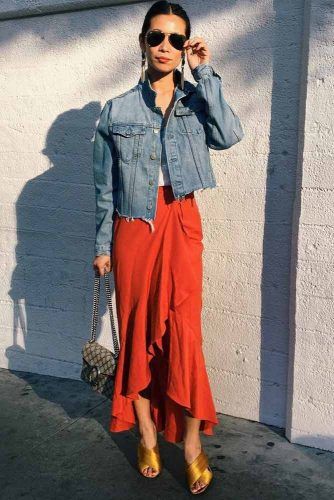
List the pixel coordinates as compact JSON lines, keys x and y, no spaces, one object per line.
{"x":132,"y":137}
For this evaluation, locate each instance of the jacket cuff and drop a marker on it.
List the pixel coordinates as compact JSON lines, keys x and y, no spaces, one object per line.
{"x":102,"y":250}
{"x":201,"y":70}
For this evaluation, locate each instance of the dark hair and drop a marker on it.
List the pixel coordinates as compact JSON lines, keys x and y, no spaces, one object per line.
{"x":163,"y":7}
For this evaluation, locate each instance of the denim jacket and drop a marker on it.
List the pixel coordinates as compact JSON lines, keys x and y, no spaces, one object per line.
{"x":132,"y":138}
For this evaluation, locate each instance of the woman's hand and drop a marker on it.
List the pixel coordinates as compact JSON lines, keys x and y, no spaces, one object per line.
{"x":103,"y":264}
{"x":197,"y":51}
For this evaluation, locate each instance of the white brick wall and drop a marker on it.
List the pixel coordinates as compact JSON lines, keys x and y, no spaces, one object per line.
{"x":56,"y":71}
{"x":310,"y":410}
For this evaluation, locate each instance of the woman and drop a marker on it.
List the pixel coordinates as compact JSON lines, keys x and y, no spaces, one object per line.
{"x":150,"y":155}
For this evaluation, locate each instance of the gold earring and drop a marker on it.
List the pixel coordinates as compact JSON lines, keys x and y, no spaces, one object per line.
{"x":182,"y":71}
{"x":143,"y":59}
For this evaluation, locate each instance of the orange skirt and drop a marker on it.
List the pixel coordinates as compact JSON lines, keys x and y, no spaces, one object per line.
{"x":158,"y":286}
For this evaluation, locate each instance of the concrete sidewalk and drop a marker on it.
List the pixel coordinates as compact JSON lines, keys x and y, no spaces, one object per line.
{"x":55,"y":444}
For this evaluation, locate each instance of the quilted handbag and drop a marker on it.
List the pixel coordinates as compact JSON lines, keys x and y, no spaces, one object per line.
{"x":98,"y":363}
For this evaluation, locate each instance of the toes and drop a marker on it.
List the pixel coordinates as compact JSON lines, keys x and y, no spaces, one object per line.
{"x":201,"y":486}
{"x":198,"y":485}
{"x":195,"y":486}
{"x":147,"y":471}
{"x":150,"y":472}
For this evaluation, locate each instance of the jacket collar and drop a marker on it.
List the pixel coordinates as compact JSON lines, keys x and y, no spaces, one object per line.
{"x":149,"y":94}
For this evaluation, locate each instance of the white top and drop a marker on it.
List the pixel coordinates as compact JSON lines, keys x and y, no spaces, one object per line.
{"x":164,"y":178}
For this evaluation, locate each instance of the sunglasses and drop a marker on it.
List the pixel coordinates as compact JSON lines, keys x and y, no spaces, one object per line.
{"x":155,"y":37}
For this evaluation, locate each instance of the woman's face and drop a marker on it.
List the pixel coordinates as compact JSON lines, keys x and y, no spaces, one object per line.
{"x":168,"y":23}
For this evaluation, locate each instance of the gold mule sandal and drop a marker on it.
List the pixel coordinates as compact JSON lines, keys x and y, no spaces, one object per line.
{"x":199,"y":469}
{"x":149,"y":457}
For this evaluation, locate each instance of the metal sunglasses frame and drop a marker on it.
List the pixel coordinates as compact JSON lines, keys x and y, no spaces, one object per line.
{"x":164,"y":33}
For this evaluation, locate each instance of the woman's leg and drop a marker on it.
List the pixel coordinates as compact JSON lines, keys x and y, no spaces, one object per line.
{"x":192,"y":443}
{"x":146,"y":425}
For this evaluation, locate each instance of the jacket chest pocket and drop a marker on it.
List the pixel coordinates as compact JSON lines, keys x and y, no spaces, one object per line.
{"x":190,"y":120}
{"x":128,"y":139}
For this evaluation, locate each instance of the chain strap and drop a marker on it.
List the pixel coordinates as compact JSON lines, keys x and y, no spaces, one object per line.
{"x":96,"y":300}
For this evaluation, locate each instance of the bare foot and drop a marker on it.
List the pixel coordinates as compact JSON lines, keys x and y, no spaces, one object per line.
{"x":191,"y":451}
{"x":149,"y":440}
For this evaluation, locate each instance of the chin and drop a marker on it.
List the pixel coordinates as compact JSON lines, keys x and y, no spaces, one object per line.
{"x":162,"y":68}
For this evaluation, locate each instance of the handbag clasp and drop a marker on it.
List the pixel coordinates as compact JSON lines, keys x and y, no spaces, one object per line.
{"x":94,"y":370}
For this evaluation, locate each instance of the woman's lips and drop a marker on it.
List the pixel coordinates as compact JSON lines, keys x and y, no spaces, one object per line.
{"x":163,"y":59}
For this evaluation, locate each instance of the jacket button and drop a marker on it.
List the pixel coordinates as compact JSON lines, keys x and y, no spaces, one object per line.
{"x":151,"y":182}
{"x":153,"y":156}
{"x":155,"y":130}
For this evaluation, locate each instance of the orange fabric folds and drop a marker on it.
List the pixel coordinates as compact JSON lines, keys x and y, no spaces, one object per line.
{"x":158,"y":280}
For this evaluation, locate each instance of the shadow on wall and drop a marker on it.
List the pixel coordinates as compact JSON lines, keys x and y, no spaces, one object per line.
{"x":52,"y":283}
{"x":278,"y":231}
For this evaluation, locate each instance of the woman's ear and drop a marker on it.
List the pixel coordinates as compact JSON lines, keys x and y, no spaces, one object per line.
{"x":141,"y":43}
